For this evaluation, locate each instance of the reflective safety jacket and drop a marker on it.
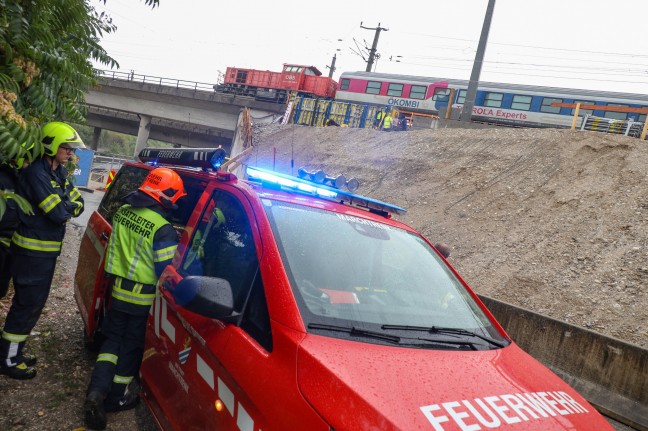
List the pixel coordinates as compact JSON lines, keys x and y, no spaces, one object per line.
{"x":387,"y":122}
{"x":142,"y":244}
{"x":54,"y":201}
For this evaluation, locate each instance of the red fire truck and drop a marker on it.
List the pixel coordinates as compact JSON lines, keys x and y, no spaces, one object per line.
{"x":294,"y":305}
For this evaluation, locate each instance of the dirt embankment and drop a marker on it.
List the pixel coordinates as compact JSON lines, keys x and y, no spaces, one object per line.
{"x":551,"y":220}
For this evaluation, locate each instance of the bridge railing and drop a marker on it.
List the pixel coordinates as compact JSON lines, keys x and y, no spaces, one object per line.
{"x":155,"y":80}
{"x":102,"y":164}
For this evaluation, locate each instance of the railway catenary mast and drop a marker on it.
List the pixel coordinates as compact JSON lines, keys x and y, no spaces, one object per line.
{"x":374,"y":47}
{"x":466,"y":112}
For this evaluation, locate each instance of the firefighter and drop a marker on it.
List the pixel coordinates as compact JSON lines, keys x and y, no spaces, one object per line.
{"x":142,"y":244}
{"x":36,"y":243}
{"x":9,"y":172}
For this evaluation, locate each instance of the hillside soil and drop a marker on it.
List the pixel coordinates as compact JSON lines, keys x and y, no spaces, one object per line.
{"x":553,"y":221}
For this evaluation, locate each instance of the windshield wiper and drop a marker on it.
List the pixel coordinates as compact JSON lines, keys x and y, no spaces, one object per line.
{"x":442,"y":330}
{"x":357,"y":332}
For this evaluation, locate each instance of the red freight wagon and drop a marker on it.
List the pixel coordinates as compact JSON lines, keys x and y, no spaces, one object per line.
{"x":275,"y":86}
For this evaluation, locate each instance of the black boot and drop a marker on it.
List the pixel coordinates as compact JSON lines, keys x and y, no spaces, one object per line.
{"x":29,"y":360}
{"x":93,"y":408}
{"x":123,"y":397}
{"x":19,"y":372}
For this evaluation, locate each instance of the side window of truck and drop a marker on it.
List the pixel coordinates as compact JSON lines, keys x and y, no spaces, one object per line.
{"x":223,"y":246}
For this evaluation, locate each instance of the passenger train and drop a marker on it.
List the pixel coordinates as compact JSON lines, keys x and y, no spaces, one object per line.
{"x":499,"y":103}
{"x":522,"y":105}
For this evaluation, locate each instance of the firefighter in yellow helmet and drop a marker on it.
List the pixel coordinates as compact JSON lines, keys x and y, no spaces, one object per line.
{"x":141,"y":245}
{"x":37,"y":242}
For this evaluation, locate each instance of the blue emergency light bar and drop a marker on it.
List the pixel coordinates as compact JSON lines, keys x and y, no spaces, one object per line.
{"x":205,"y":158}
{"x":303,"y":186}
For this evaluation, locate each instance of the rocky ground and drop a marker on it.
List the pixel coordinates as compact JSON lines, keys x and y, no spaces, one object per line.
{"x":53,"y":400}
{"x":554,"y":221}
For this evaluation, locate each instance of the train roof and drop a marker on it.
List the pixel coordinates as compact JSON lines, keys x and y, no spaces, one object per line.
{"x":535,"y":89}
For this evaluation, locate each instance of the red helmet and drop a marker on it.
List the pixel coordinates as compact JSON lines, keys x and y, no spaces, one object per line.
{"x":163,"y":185}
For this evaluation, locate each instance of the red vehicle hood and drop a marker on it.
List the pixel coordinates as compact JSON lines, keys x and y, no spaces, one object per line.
{"x":360,"y":386}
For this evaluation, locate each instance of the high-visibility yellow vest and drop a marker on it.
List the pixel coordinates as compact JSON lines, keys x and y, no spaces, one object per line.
{"x":130,"y":251}
{"x":387,"y":122}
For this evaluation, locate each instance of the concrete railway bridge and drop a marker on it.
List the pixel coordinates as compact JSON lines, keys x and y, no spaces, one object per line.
{"x":183,"y":113}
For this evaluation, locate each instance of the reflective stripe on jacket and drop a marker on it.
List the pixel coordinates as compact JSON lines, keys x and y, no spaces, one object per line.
{"x":54,"y":201}
{"x":133,"y":293}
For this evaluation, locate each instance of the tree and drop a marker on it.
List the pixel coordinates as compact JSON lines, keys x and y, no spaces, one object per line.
{"x":46,"y":53}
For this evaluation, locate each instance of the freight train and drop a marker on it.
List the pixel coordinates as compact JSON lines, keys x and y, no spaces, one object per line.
{"x":499,"y":103}
{"x":275,"y":86}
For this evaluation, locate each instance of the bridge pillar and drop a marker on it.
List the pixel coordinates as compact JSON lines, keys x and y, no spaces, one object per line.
{"x":142,"y":133}
{"x":96,"y":134}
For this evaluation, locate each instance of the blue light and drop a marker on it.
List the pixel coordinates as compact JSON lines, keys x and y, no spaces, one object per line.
{"x":218,"y":158}
{"x":303,"y":186}
{"x":290,"y":183}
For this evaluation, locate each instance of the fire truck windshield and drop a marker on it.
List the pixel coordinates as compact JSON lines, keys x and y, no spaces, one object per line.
{"x":358,"y":273}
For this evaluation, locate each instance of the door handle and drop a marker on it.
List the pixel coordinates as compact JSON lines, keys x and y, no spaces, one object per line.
{"x":104,"y":236}
{"x":166,"y":285}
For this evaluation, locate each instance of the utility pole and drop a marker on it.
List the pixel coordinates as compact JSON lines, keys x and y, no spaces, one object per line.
{"x":466,"y":112}
{"x":332,"y":66}
{"x":372,"y":53}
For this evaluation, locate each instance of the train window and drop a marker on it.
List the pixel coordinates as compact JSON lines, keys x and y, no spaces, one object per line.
{"x":616,"y":115}
{"x":521,"y":103}
{"x":546,"y":105}
{"x":461,"y":97}
{"x":441,"y":94}
{"x":395,"y":90}
{"x":241,"y":76}
{"x":493,"y":100}
{"x":373,"y":87}
{"x":417,"y":92}
{"x":344,"y":83}
{"x":642,"y":117}
{"x":292,"y":69}
{"x":583,"y":111}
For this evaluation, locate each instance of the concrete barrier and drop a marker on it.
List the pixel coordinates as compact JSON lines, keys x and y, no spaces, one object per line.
{"x":609,"y":373}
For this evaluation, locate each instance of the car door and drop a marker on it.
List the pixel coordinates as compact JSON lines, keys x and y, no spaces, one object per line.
{"x":90,"y":281}
{"x":185,"y":378}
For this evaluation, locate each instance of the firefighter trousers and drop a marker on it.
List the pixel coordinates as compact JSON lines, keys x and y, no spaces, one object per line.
{"x":32,"y":277}
{"x":121,"y":353}
{"x":5,"y":269}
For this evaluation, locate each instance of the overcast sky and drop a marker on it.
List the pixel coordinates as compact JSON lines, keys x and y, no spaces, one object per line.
{"x":589,"y":44}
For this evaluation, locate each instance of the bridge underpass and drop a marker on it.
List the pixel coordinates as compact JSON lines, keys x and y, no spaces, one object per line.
{"x":181,"y":113}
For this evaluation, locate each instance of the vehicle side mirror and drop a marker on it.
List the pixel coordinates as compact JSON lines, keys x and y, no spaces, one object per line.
{"x":208,"y":296}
